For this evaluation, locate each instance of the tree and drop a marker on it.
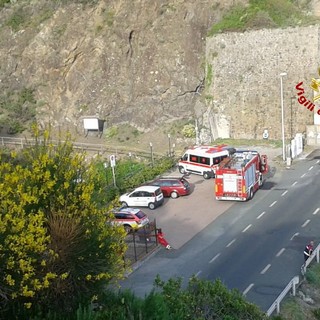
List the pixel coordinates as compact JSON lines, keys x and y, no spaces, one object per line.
{"x":208,"y":300}
{"x":57,"y":248}
{"x":200,"y":300}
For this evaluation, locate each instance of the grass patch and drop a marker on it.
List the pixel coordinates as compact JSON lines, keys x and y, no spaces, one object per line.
{"x":313,"y":275}
{"x":19,"y":108}
{"x":292,"y":310}
{"x":263,"y":14}
{"x":249,"y":142}
{"x":209,"y":76}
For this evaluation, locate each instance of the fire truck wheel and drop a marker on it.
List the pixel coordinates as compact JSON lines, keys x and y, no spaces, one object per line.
{"x":206,"y":175}
{"x":251,"y":194}
{"x":260,"y":181}
{"x":181,"y":170}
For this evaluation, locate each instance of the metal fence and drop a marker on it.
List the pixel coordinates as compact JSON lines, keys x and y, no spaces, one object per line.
{"x":141,"y":242}
{"x":90,"y":147}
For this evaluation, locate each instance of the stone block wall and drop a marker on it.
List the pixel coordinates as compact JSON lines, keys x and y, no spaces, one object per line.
{"x":245,"y":84}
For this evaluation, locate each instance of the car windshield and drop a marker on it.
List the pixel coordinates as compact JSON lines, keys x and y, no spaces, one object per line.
{"x":158,"y":191}
{"x":140,"y":214}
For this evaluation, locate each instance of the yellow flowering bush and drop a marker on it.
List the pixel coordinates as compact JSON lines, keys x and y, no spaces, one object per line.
{"x":53,"y":231}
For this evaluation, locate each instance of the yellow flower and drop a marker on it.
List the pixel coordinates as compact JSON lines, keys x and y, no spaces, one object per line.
{"x":28,"y":305}
{"x":88,"y":277}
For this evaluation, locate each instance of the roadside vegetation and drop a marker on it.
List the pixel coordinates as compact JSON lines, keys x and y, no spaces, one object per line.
{"x":264,"y":14}
{"x":130,"y":174}
{"x":306,"y":304}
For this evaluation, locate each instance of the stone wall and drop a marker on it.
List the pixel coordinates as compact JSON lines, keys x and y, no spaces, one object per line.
{"x":244,"y":95}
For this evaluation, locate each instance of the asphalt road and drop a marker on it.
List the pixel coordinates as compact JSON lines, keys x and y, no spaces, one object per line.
{"x":256,"y":246}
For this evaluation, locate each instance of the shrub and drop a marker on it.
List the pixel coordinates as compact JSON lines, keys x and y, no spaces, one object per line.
{"x":189,"y":131}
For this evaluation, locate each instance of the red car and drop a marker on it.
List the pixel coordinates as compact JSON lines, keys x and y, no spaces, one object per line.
{"x":172,"y":186}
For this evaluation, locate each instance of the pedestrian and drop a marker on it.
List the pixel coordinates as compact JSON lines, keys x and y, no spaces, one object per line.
{"x":308,"y":251}
{"x":162,"y":240}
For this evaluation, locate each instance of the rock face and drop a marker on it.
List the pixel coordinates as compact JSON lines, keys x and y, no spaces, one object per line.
{"x":246,"y":86}
{"x":146,"y":63}
{"x":138,"y":62}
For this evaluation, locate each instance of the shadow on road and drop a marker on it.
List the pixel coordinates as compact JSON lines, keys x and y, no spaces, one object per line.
{"x":314,"y":155}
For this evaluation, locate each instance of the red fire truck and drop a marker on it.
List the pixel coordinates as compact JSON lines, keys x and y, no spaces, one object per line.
{"x":239,"y":176}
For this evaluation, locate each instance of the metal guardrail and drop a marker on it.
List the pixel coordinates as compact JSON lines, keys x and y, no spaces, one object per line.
{"x":276,"y":305}
{"x":293,"y":283}
{"x":100,"y":148}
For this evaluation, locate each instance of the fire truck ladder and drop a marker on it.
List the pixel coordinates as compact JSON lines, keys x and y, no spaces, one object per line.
{"x":239,"y":183}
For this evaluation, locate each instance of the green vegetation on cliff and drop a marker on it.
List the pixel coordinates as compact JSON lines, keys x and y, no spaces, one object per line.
{"x":264,"y":14}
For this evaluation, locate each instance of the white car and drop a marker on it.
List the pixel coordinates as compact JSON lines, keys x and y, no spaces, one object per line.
{"x":145,"y":196}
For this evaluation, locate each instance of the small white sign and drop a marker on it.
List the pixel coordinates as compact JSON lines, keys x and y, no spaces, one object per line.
{"x":91,"y":124}
{"x":112,"y":161}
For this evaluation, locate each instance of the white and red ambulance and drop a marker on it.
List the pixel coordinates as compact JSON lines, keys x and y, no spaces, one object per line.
{"x":203,"y":160}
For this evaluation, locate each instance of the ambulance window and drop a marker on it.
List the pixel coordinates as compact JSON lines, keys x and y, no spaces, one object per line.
{"x":185,"y":157}
{"x":193,"y":158}
{"x":216,"y":160}
{"x":205,"y":160}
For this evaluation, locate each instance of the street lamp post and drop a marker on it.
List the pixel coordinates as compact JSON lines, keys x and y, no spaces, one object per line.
{"x":282,"y":116}
{"x":151,"y":150}
{"x":169,"y":138}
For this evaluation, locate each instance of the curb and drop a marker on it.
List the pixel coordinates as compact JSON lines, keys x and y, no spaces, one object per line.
{"x":139,"y":263}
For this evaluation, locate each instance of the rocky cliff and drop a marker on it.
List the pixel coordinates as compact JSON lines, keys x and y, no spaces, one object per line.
{"x":139,"y":62}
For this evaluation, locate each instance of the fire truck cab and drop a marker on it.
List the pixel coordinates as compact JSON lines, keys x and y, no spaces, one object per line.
{"x":238,"y":177}
{"x":203,"y":160}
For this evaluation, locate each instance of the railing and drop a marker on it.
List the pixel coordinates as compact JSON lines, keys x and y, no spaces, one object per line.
{"x":100,"y":148}
{"x":293,"y":283}
{"x":276,"y":305}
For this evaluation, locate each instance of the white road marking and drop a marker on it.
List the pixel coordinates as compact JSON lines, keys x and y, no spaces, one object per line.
{"x":294,"y":183}
{"x":265,"y":269}
{"x":280,"y":252}
{"x":261,"y":214}
{"x":305,"y":223}
{"x":311,"y":168}
{"x":214,"y":258}
{"x":295,"y":235}
{"x":316,"y":211}
{"x":303,"y":175}
{"x":249,"y":226}
{"x":231,"y":242}
{"x":198,"y":273}
{"x":248,"y":288}
{"x":318,"y":161}
{"x":273,"y":203}
{"x":284,"y":193}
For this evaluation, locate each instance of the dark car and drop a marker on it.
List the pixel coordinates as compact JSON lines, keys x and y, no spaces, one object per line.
{"x":173,"y":187}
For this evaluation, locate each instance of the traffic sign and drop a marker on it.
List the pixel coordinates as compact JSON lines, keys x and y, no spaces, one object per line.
{"x":112,"y":160}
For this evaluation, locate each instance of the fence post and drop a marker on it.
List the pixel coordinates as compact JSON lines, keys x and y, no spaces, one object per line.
{"x":134,"y":246}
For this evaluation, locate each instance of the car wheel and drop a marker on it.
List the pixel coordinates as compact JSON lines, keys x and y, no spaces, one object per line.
{"x":124,"y":204}
{"x":181,"y":170}
{"x":127,"y":228}
{"x":174,"y":195}
{"x":151,"y":206}
{"x":206,"y":175}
